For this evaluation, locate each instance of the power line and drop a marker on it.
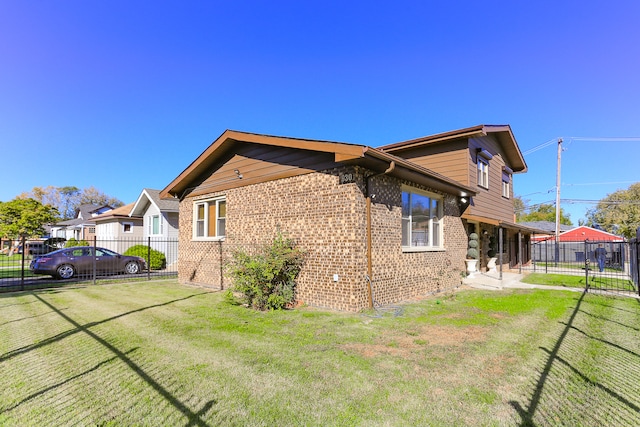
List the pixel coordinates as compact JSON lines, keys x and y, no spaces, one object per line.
{"x":600,"y":183}
{"x":583,"y":138}
{"x":539,"y":147}
{"x":606,"y":138}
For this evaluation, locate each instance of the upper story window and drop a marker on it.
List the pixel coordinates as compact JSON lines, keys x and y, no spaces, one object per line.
{"x":421,"y":220}
{"x":506,"y":185}
{"x":209,"y":218}
{"x":483,"y":172}
{"x":482,"y":159}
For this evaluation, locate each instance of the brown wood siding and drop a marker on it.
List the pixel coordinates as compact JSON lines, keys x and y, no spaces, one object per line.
{"x":450,"y":159}
{"x":260,"y":163}
{"x":489,"y":202}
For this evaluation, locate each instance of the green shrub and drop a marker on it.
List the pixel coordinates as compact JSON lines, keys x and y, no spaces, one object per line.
{"x":472,"y":251}
{"x":157,"y":262}
{"x":73,"y":242}
{"x":267,"y":279}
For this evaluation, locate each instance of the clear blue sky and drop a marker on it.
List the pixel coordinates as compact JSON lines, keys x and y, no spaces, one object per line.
{"x":123,"y":95}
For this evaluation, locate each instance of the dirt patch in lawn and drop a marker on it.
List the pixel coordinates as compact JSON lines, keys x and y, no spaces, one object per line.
{"x":402,"y":343}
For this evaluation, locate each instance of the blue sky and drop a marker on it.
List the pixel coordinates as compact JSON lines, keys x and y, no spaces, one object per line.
{"x":123,"y":95}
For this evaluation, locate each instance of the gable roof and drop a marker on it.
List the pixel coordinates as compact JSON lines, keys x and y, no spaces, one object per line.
{"x":343,"y":153}
{"x":503,"y":134}
{"x":121,"y":212}
{"x":84,"y":215}
{"x":153,"y":196}
{"x":583,"y":233}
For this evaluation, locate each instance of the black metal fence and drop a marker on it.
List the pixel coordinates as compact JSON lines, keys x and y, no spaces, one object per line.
{"x":602,"y":265}
{"x":35,"y":264}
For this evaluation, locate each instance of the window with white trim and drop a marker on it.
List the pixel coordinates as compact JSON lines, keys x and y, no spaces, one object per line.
{"x":127,"y":227}
{"x":155,"y":225}
{"x":483,"y":172}
{"x":421,"y":219}
{"x":209,"y":218}
{"x":506,"y":185}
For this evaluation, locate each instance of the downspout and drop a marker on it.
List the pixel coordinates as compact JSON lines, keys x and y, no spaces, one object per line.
{"x":391,"y":167}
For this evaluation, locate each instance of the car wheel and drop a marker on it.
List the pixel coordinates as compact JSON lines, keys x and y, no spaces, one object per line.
{"x":132,"y":268}
{"x":65,"y":271}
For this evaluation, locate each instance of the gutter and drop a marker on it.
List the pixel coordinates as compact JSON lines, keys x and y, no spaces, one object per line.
{"x":392,"y":166}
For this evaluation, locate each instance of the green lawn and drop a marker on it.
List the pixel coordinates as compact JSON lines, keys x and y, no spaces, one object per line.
{"x":596,"y":281}
{"x":157,"y":353}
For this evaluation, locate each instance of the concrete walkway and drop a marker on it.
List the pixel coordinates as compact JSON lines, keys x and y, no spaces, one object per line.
{"x":491,"y":281}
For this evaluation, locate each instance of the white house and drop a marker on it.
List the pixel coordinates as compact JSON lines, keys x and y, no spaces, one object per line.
{"x":82,"y":227}
{"x":117,"y":230}
{"x":160,"y":222}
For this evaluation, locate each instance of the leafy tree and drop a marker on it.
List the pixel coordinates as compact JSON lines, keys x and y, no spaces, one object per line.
{"x":618,"y":212}
{"x":519,"y":207}
{"x":25,"y":217}
{"x":545,"y":212}
{"x":67,"y":199}
{"x":93,"y":196}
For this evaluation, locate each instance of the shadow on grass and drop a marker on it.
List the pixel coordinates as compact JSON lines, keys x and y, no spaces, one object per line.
{"x":195,"y":418}
{"x":528,"y":413}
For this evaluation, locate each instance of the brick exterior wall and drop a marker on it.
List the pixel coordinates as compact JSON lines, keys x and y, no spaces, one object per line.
{"x":328,"y":220}
{"x":399,"y":275}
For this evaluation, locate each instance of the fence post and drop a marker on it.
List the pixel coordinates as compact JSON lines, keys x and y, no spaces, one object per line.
{"x":546,"y":256}
{"x":24,"y":249}
{"x":221,"y":266}
{"x":95,"y":258}
{"x":148,"y":257}
{"x":587,"y":261}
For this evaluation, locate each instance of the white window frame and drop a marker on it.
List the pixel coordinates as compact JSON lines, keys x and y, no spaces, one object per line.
{"x":435,"y":233}
{"x":124,"y":227}
{"x":201,"y":225}
{"x":506,"y":185}
{"x":483,"y":172}
{"x":151,"y":228}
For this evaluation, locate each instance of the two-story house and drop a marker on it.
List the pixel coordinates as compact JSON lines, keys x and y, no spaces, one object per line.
{"x":483,"y":157}
{"x":376,"y":224}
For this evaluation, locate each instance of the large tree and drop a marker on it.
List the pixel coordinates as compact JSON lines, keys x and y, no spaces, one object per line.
{"x":541,"y":212}
{"x":25,"y":217}
{"x":67,"y":199}
{"x":618,"y":212}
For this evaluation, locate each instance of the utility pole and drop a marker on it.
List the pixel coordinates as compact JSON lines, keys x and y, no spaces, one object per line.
{"x":558,"y":202}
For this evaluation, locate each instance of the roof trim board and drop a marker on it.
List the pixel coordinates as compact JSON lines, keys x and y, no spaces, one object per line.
{"x":344,"y":153}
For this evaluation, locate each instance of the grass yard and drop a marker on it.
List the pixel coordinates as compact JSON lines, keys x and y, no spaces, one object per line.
{"x":157,"y":353}
{"x":596,"y":281}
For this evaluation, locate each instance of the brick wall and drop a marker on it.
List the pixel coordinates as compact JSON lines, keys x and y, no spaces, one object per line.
{"x":399,"y":275}
{"x":328,"y":220}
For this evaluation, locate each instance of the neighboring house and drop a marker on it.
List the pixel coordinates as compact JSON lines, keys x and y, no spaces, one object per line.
{"x":483,"y":157}
{"x":118,"y":230}
{"x":160,"y":221}
{"x":573,"y":243}
{"x":547,"y":229}
{"x":583,"y":233}
{"x":82,"y":227}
